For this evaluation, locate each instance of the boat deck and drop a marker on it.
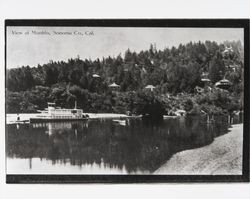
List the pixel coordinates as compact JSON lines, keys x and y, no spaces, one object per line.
{"x":35,"y":120}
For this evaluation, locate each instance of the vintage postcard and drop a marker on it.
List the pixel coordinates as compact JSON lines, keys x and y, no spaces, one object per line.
{"x":127,"y":101}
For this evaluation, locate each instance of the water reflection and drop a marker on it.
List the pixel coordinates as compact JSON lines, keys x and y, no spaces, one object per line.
{"x":137,"y":147}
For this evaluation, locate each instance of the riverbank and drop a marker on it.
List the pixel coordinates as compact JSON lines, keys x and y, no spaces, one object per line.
{"x":222,"y":157}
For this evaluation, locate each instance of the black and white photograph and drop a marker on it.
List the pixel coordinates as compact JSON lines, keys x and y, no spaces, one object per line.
{"x":132,"y":101}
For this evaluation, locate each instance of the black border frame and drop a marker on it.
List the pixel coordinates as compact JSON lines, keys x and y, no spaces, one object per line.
{"x":181,"y":23}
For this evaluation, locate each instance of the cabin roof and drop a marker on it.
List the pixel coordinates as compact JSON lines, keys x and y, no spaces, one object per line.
{"x":223,"y":82}
{"x":114,"y":85}
{"x":95,"y":75}
{"x":150,"y":86}
{"x":205,"y":80}
{"x":227,"y":49}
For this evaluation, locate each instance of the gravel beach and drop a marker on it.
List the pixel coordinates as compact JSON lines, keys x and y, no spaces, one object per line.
{"x":222,"y":157}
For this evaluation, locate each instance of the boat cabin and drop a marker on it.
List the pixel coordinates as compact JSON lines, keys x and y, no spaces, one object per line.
{"x":62,"y":113}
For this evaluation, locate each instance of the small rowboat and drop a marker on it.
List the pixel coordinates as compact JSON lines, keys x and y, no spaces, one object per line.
{"x":120,"y":122}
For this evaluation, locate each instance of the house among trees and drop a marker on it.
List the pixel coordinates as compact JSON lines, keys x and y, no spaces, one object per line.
{"x":198,"y":89}
{"x":223,"y":84}
{"x":150,"y":87}
{"x":114,"y":87}
{"x":233,"y":67}
{"x":96,"y":76}
{"x":180,"y":112}
{"x":205,"y":80}
{"x":227,"y":50}
{"x":176,"y":71}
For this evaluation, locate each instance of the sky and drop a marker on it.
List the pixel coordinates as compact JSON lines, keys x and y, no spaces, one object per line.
{"x":38,"y":45}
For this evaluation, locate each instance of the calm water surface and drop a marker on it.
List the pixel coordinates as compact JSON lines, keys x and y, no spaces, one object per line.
{"x":103,"y":146}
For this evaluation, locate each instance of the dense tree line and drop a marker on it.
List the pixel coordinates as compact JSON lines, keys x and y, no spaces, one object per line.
{"x":175,"y":72}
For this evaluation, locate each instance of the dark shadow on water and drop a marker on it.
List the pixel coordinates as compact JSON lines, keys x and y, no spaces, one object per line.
{"x":152,"y":121}
{"x":137,"y":145}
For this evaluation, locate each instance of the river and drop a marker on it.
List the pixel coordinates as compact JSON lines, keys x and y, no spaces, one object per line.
{"x":102,"y":146}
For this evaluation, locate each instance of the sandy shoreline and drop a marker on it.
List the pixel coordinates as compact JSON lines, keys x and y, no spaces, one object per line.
{"x":222,"y":157}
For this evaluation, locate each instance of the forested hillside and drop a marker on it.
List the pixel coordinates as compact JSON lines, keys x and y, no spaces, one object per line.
{"x":175,"y":72}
